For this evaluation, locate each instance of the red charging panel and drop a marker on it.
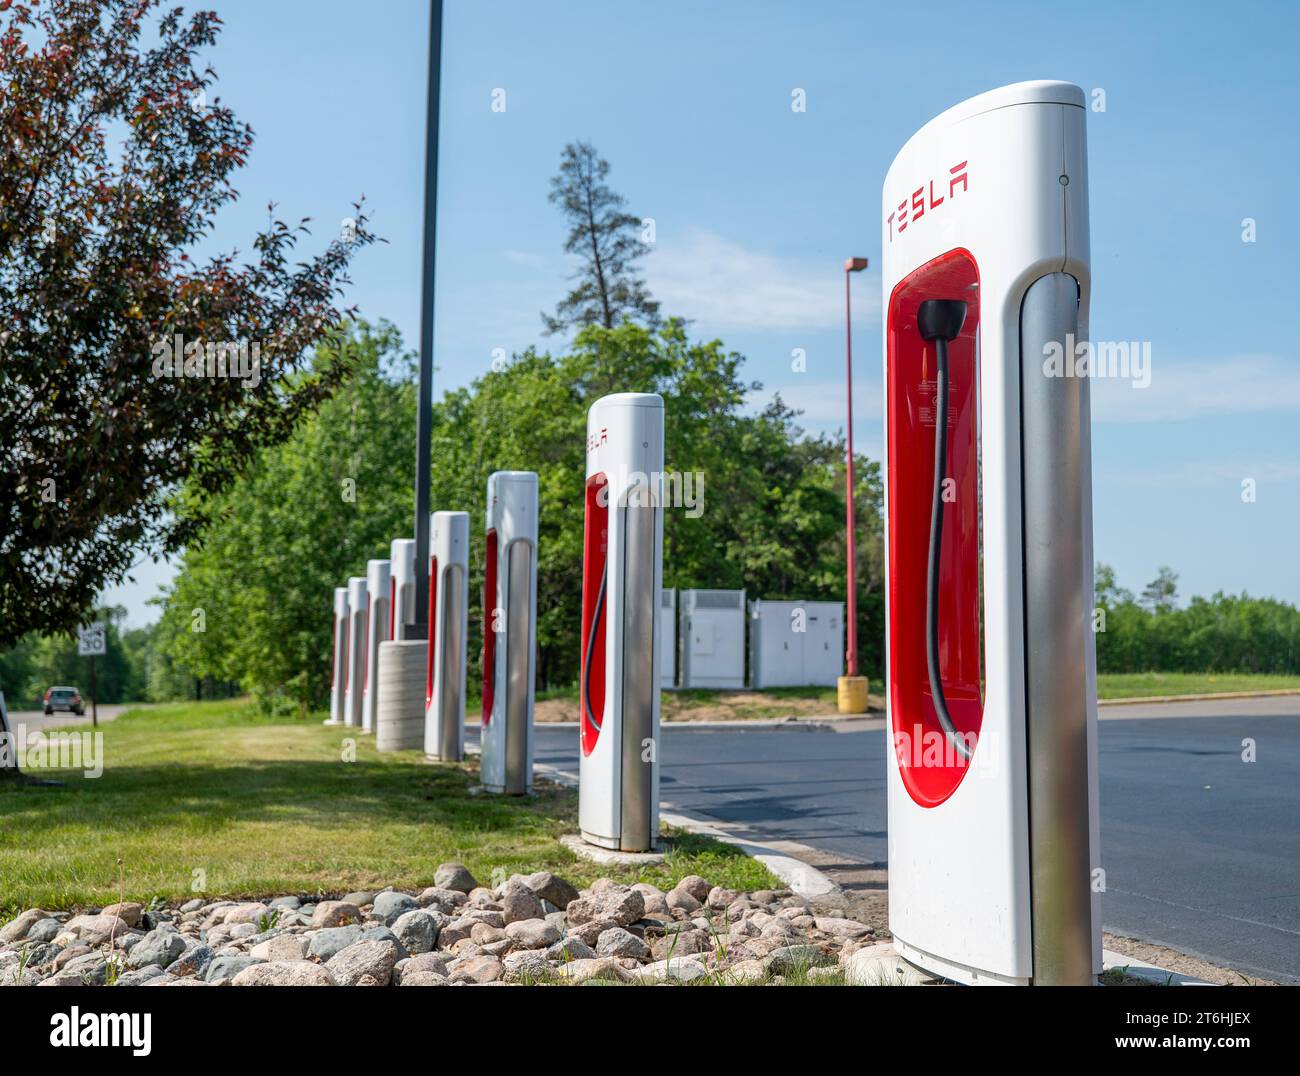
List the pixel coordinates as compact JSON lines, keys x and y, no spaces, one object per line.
{"x":595,"y":546}
{"x":931,"y":770}
{"x":489,"y":627}
{"x":433,"y":631}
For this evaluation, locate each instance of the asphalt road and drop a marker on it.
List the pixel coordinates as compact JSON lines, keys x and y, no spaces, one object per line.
{"x":1201,"y":849}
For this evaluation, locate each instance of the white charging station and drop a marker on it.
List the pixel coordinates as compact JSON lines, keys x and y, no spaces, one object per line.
{"x":358,"y":616}
{"x":991,"y":662}
{"x":444,"y":713}
{"x":378,"y":625}
{"x":401,"y":586}
{"x":618,"y":797}
{"x":339,"y":684}
{"x":509,"y":631}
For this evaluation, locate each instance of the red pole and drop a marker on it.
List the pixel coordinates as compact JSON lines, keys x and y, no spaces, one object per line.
{"x":850,"y":529}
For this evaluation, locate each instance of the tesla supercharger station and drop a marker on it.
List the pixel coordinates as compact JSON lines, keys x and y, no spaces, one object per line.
{"x":339,"y":687}
{"x":993,"y":772}
{"x":401,"y":586}
{"x":378,"y":588}
{"x":358,"y":615}
{"x":444,"y":698}
{"x":509,"y":631}
{"x":618,"y":797}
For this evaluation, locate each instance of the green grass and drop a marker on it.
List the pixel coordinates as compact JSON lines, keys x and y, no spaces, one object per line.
{"x":266,"y":805}
{"x":1142,"y":685}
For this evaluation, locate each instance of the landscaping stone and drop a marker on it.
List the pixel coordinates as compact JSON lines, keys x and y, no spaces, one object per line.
{"x":789,"y":958}
{"x":532,"y":928}
{"x":418,"y":929}
{"x":281,"y":947}
{"x":390,"y":907}
{"x":454,"y":876}
{"x":16,"y":930}
{"x":519,"y":903}
{"x":194,"y":962}
{"x":841,"y":928}
{"x":97,"y":929}
{"x":682,"y":969}
{"x":160,"y":947}
{"x":229,"y":967}
{"x":581,"y":971}
{"x":335,"y":913}
{"x":476,"y":969}
{"x":532,"y":933}
{"x":880,"y":965}
{"x":570,"y":948}
{"x":373,"y":958}
{"x":442,"y":900}
{"x":128,"y":911}
{"x":550,"y":887}
{"x":618,"y":903}
{"x":525,"y":964}
{"x":620,"y":942}
{"x":360,"y":898}
{"x":696,"y":886}
{"x":284,"y":973}
{"x":326,"y":943}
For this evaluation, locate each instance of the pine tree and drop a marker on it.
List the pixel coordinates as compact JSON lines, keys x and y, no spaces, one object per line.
{"x":607,"y":240}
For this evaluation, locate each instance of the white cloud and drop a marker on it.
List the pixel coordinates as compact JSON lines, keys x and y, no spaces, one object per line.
{"x":722,"y":284}
{"x":1240,"y":385}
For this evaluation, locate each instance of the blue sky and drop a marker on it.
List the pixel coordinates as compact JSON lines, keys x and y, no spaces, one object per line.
{"x":756,"y":206}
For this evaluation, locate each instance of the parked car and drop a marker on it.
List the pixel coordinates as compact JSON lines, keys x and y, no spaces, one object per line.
{"x":65,"y":698}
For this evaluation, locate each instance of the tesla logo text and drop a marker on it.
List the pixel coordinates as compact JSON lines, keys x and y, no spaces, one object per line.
{"x":595,"y":440}
{"x":926,"y":199}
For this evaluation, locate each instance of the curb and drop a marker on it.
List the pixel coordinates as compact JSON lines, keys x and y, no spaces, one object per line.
{"x":804,"y":879}
{"x":765,"y":724}
{"x":1137,"y":700}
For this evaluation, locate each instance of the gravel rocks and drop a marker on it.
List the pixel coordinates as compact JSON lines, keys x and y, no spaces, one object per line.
{"x":535,"y":928}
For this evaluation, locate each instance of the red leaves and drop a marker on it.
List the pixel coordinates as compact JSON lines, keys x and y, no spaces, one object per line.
{"x":96,"y":245}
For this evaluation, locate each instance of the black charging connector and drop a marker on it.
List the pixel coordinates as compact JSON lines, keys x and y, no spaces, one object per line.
{"x":939,"y":321}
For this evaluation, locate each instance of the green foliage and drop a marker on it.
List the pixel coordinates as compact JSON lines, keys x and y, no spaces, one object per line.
{"x":115,"y":167}
{"x":253,"y":603}
{"x":1223,"y":633}
{"x":771,"y":518}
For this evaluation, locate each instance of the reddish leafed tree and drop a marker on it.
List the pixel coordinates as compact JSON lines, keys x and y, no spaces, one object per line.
{"x":115,"y":159}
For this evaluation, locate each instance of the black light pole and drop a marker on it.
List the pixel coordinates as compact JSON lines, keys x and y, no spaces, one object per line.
{"x":424,"y":405}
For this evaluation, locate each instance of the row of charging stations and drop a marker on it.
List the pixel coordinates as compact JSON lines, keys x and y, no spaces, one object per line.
{"x":992,"y":775}
{"x":380,"y":607}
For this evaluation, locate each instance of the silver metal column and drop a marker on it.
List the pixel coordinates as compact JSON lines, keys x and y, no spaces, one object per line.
{"x":638,"y":686}
{"x":1056,"y":622}
{"x":519,"y":568}
{"x":450,"y":587}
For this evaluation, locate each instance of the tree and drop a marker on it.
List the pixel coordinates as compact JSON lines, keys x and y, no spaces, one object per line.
{"x":770,"y":502}
{"x":253,"y":602}
{"x":606,"y":240}
{"x":1161,"y":594}
{"x":113,"y":166}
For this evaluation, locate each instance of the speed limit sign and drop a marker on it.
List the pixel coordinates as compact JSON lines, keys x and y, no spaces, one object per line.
{"x":91,"y":641}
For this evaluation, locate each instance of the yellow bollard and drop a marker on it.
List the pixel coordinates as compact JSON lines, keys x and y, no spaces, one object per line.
{"x":852,"y":694}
